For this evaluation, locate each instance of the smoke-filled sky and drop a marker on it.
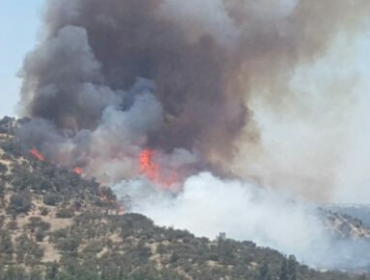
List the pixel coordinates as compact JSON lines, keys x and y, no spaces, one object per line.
{"x":19,"y":21}
{"x":274,"y":91}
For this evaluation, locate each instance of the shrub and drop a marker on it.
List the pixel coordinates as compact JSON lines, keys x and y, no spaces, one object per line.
{"x":51,"y":199}
{"x":65,"y":213}
{"x":20,"y":203}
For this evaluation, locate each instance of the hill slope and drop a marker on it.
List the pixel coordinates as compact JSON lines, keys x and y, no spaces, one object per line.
{"x":56,"y":225}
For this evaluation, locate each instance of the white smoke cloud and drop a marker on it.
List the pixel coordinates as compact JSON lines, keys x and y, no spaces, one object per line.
{"x":352,"y":177}
{"x":313,"y":140}
{"x":208,"y":206}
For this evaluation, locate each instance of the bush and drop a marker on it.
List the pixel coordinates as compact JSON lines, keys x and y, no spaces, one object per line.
{"x":20,"y":203}
{"x":40,"y":235}
{"x":70,"y":244}
{"x":12,"y":225}
{"x":27,"y":250}
{"x":3,"y":168}
{"x":51,"y":199}
{"x":65,"y":213}
{"x":44,"y":211}
{"x":2,"y":189}
{"x":6,"y":244}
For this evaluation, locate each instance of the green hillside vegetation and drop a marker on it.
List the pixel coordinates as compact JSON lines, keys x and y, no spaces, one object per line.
{"x":54,"y":225}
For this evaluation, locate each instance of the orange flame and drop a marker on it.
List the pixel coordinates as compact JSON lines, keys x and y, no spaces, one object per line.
{"x":150,"y":169}
{"x":78,"y":170}
{"x":147,"y":166}
{"x":37,"y":154}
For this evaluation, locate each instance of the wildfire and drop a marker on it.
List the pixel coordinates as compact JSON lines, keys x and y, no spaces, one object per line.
{"x":78,"y":170}
{"x":147,"y":166}
{"x":34,"y":152}
{"x":152,"y":170}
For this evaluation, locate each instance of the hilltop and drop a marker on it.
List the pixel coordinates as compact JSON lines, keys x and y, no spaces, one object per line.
{"x":55,"y":224}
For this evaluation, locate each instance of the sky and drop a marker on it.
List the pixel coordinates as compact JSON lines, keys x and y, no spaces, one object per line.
{"x":19,"y":23}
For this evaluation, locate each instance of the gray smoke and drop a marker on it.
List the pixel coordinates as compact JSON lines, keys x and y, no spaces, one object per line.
{"x":208,"y":206}
{"x":204,"y":59}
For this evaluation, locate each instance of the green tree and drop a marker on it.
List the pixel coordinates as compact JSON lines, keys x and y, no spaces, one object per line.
{"x":264,"y":273}
{"x":51,"y":199}
{"x":3,"y":169}
{"x":28,"y":251}
{"x":283,"y":274}
{"x":6,"y":245}
{"x":292,"y":268}
{"x":52,"y":271}
{"x":20,"y":203}
{"x":2,"y":192}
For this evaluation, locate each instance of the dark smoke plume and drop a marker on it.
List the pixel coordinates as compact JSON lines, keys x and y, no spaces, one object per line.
{"x":203,"y":59}
{"x":95,"y":48}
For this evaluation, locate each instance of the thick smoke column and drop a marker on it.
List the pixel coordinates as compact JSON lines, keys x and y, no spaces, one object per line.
{"x":211,"y":84}
{"x":204,"y":58}
{"x":93,"y":50}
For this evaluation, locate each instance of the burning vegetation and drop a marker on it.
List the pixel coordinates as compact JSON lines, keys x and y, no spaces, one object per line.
{"x":151,"y":169}
{"x":147,"y":166}
{"x":78,"y":170}
{"x":37,"y":155}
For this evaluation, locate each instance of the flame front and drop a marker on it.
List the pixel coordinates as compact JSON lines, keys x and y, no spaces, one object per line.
{"x":147,"y":166}
{"x":156,"y":173}
{"x":34,"y":152}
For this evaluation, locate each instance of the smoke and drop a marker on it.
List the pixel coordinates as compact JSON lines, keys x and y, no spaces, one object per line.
{"x":203,"y":58}
{"x":208,"y":206}
{"x":108,"y":46}
{"x":264,"y":91}
{"x":314,"y":144}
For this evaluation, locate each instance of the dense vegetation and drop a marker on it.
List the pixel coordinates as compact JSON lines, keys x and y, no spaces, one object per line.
{"x":55,"y":225}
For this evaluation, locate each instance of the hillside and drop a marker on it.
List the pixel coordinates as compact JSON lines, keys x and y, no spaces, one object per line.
{"x":57,"y":225}
{"x":359,"y":211}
